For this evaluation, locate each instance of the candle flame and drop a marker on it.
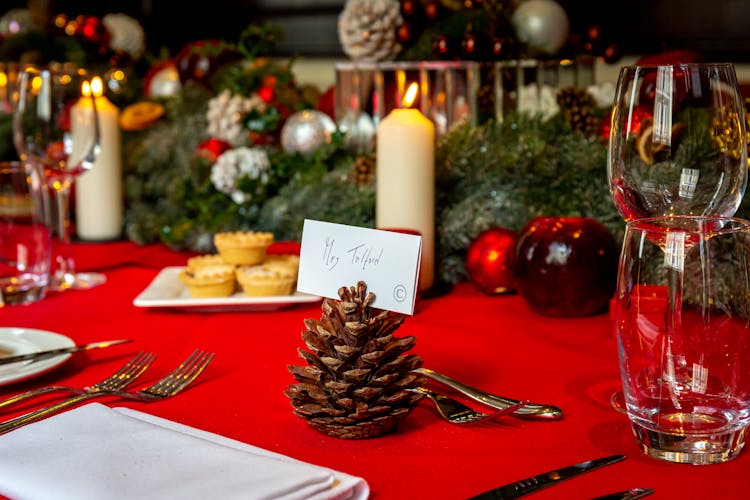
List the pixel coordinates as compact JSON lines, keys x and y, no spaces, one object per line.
{"x":36,"y":84}
{"x":86,"y":89}
{"x":97,"y":87}
{"x":411,"y":94}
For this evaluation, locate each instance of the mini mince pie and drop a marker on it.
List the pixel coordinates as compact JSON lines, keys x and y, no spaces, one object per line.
{"x":243,"y":248}
{"x":216,"y":280}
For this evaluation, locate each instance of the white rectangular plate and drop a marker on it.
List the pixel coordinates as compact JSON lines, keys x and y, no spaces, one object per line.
{"x":166,"y":290}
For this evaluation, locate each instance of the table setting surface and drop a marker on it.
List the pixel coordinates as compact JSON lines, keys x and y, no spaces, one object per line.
{"x":495,"y":342}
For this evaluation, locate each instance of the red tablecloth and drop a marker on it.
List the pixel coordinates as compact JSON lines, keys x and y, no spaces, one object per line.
{"x":493,"y":342}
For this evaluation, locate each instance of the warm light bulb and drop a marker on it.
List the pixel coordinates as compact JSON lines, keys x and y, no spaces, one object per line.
{"x":411,"y":94}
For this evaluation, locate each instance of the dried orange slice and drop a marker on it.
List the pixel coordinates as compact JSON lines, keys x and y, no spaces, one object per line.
{"x":646,"y":147}
{"x":140,"y":115}
{"x":645,"y":143}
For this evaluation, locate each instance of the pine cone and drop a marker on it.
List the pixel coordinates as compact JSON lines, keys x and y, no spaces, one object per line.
{"x":577,"y":106}
{"x":126,"y":34}
{"x":367,"y":29}
{"x":363,"y":170}
{"x":355,"y":384}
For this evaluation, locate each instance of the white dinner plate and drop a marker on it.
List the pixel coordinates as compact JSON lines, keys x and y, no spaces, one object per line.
{"x":25,"y":340}
{"x":166,"y":290}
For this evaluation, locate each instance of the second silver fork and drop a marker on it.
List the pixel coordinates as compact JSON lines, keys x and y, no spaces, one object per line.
{"x":170,"y":385}
{"x":528,"y":410}
{"x":456,"y":412}
{"x":118,"y":380}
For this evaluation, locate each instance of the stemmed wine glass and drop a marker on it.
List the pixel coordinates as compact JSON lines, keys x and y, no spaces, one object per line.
{"x":677,"y":147}
{"x":677,"y":143}
{"x":56,"y":128}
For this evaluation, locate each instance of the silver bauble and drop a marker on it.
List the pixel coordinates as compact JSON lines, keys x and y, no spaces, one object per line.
{"x":359,"y":130}
{"x":543,"y":25}
{"x":305,"y":131}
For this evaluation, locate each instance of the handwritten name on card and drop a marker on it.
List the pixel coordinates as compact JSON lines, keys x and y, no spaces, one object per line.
{"x":335,"y":255}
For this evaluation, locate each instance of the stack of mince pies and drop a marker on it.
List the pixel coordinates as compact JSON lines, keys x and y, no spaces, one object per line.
{"x":241,"y":265}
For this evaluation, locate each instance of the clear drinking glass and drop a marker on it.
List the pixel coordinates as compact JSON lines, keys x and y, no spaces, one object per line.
{"x":55,"y":126}
{"x":682,"y":322}
{"x":677,"y":147}
{"x":677,"y":143}
{"x":25,"y":236}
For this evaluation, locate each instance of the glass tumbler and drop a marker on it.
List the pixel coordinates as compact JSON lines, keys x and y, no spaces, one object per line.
{"x":25,"y":237}
{"x":682,"y":323}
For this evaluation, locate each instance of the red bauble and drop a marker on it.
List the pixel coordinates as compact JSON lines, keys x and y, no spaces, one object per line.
{"x":566,"y":266}
{"x":475,"y":46}
{"x":433,"y":10}
{"x":197,"y":61}
{"x":443,"y":47}
{"x":211,"y":149}
{"x":611,"y":53}
{"x":267,"y":94}
{"x":405,"y":32}
{"x":409,"y":8}
{"x":490,"y":258}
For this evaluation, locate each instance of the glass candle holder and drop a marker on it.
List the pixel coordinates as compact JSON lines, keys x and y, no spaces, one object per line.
{"x":366,"y":92}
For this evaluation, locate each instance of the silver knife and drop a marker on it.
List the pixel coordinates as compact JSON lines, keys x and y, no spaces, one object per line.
{"x":36,"y":356}
{"x":630,"y":494}
{"x":535,"y":483}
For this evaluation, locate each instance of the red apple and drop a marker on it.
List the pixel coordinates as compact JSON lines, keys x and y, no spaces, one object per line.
{"x":566,"y":266}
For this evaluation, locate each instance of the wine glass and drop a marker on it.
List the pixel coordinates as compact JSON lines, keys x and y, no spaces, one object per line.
{"x":56,"y":128}
{"x":677,"y":147}
{"x":677,"y":143}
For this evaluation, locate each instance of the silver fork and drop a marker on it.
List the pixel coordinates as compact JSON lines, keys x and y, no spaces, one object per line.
{"x":167,"y":387}
{"x":118,"y":380}
{"x":456,"y":412}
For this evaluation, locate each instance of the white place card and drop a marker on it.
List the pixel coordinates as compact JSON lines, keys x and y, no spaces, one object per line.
{"x":336,"y":255}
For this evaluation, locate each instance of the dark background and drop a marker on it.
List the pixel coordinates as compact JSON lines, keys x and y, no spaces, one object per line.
{"x":719,"y":29}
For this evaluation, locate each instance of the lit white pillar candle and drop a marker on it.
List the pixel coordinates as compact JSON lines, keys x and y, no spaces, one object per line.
{"x":98,"y":192}
{"x":405,"y":180}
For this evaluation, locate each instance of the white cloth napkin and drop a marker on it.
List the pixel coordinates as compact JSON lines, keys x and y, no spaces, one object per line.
{"x":96,"y":452}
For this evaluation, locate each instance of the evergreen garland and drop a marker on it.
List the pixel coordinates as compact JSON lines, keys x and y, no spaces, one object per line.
{"x":491,"y":175}
{"x":505,"y":174}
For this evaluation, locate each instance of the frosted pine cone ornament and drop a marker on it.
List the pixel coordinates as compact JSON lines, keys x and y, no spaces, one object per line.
{"x":367,"y":29}
{"x":358,"y":374}
{"x":126,"y":34}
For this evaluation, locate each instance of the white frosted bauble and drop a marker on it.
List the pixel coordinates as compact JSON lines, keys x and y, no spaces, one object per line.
{"x":305,"y":131}
{"x":543,"y":25}
{"x":164,"y":83}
